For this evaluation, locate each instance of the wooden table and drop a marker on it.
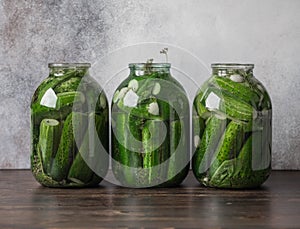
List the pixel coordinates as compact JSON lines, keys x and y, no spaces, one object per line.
{"x":26,"y":204}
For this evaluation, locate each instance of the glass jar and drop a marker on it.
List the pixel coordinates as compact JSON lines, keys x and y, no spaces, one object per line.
{"x":150,"y":128}
{"x":232,"y":125}
{"x":69,"y":128}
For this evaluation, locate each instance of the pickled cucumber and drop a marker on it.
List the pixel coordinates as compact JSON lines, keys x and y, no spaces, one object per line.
{"x":179,"y":156}
{"x":238,"y":90}
{"x":68,"y":98}
{"x":79,"y":171}
{"x":233,"y":108}
{"x":208,"y":144}
{"x":234,"y":172}
{"x":200,"y":108}
{"x":123,"y":157}
{"x":237,"y":172}
{"x":69,"y":85}
{"x":38,"y":171}
{"x":48,"y":141}
{"x":65,"y":153}
{"x":230,"y":145}
{"x":152,"y":151}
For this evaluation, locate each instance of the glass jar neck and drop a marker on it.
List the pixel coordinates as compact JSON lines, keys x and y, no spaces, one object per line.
{"x":223,"y":70}
{"x":61,"y":69}
{"x":139,"y":69}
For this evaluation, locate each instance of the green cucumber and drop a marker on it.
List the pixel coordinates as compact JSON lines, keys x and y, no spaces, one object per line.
{"x":122,"y":138}
{"x":146,"y":87}
{"x":134,"y":156}
{"x":102,"y":127}
{"x":40,"y":113}
{"x":237,"y":172}
{"x":90,"y":159}
{"x":99,"y":122}
{"x":48,"y":83}
{"x":229,"y":145}
{"x":117,"y":164}
{"x":80,"y":126}
{"x":178,"y":153}
{"x":69,"y":85}
{"x":178,"y":164}
{"x":48,"y":141}
{"x":69,"y":98}
{"x":244,"y":160}
{"x":166,"y":112}
{"x":80,"y":172}
{"x":265,"y":101}
{"x":261,"y":143}
{"x":65,"y":153}
{"x":198,"y":125}
{"x":174,"y":98}
{"x":234,"y":173}
{"x":123,"y":157}
{"x":94,"y":181}
{"x":233,"y":108}
{"x":222,"y":178}
{"x":153,"y":148}
{"x":200,"y":107}
{"x":208,"y":144}
{"x":243,"y":91}
{"x":38,"y":172}
{"x":136,"y":126}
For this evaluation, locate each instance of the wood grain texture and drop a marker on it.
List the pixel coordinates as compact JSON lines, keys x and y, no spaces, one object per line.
{"x":26,"y":204}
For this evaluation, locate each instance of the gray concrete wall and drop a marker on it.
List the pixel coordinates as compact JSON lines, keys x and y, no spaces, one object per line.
{"x":35,"y":32}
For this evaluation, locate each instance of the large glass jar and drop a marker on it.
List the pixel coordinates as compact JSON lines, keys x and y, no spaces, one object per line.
{"x":69,"y":128}
{"x":232,"y":125}
{"x":150,"y":128}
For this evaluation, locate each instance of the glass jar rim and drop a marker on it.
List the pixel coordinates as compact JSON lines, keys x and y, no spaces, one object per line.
{"x":232,"y":66}
{"x":149,"y":65}
{"x":69,"y":65}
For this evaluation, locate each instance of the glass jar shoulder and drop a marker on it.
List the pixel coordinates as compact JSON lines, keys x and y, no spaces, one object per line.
{"x":149,"y":94}
{"x":248,"y":90}
{"x":153,"y":83}
{"x":66,"y":87}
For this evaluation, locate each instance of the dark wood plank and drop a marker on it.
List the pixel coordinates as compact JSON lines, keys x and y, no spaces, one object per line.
{"x":26,"y":204}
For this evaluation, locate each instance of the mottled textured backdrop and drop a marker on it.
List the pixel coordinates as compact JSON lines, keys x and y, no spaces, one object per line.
{"x":35,"y":32}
